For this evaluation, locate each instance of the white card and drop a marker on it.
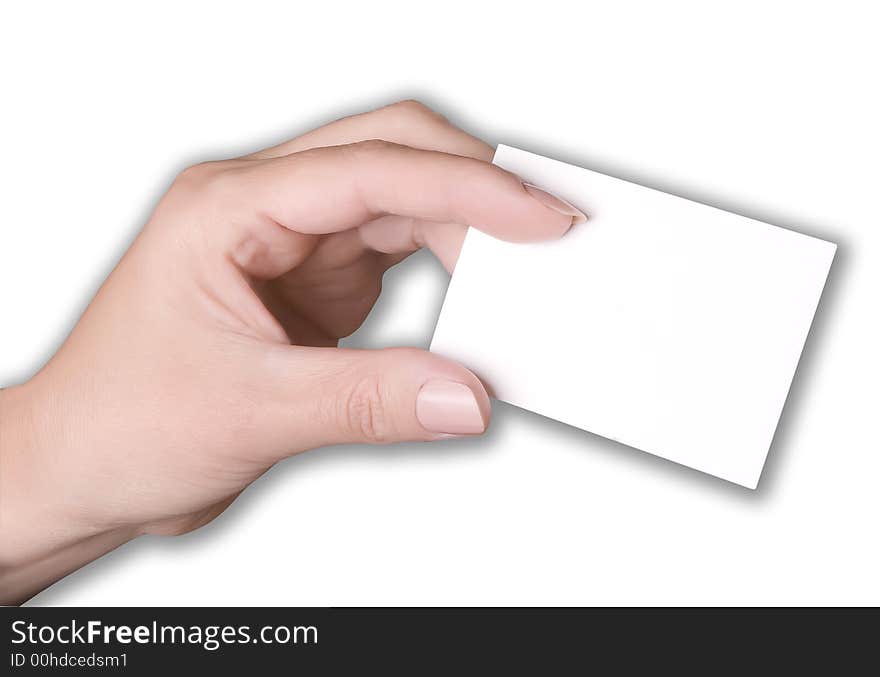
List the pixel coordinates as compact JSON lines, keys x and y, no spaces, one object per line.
{"x":662,"y":323}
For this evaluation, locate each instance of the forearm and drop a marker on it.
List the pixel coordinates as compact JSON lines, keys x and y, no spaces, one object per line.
{"x":40,"y":541}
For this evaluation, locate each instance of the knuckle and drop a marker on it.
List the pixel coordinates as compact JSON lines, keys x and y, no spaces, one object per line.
{"x":372,"y":146}
{"x":366,"y":410}
{"x":411,"y":108}
{"x":203,"y":180}
{"x":194,"y":176}
{"x":414,"y":111}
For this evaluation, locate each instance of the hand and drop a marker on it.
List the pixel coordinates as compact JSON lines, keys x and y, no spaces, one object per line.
{"x":210,"y":352}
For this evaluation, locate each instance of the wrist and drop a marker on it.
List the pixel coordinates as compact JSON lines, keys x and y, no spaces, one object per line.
{"x":43,"y":535}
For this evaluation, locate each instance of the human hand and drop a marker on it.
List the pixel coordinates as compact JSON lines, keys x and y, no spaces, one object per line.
{"x":210,"y":352}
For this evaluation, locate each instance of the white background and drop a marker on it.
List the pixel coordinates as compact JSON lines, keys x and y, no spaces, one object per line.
{"x":767,"y":110}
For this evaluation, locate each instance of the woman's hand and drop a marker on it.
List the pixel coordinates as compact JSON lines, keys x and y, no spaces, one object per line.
{"x":210,"y":352}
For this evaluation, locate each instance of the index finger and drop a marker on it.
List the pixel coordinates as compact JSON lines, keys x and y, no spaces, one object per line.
{"x":333,"y":189}
{"x":408,"y":123}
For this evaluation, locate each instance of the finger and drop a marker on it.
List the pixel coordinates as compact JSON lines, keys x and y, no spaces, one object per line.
{"x":403,"y":235}
{"x":328,"y":190}
{"x":333,"y":396}
{"x":408,"y":123}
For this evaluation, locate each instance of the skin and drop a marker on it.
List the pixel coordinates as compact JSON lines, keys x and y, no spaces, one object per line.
{"x":209,"y":354}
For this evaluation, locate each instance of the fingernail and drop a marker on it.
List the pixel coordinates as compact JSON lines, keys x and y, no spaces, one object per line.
{"x":556,"y":204}
{"x":449,"y":407}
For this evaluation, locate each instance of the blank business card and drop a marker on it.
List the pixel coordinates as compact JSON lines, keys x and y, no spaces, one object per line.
{"x":665,"y":324}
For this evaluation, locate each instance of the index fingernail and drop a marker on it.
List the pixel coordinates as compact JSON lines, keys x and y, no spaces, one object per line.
{"x":557,"y":204}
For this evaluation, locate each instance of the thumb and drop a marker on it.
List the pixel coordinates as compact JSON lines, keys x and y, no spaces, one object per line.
{"x":381,"y":396}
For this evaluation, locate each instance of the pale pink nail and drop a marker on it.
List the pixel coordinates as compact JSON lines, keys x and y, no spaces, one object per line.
{"x":449,"y":407}
{"x":557,"y":204}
